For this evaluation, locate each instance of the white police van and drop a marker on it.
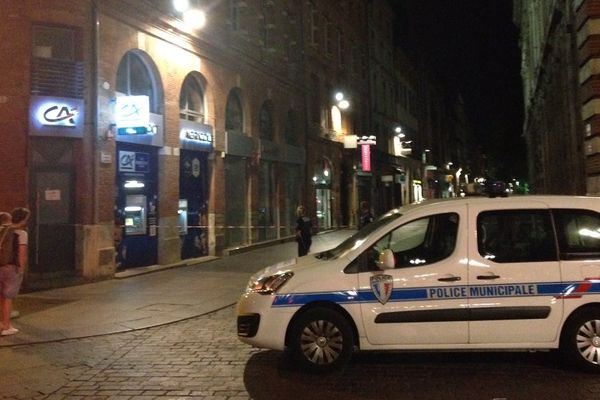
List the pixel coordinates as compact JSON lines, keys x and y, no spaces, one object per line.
{"x":461,"y":274}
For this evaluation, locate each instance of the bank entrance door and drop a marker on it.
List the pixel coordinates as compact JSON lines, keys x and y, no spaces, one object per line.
{"x":52,"y":235}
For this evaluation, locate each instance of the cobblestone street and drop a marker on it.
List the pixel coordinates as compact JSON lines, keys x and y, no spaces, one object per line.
{"x":201,"y":358}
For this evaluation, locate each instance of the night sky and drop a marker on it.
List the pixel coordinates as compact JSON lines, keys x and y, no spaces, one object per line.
{"x":474,"y":44}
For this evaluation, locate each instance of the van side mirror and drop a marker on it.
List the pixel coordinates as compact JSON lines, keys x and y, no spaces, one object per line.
{"x":387,"y":260}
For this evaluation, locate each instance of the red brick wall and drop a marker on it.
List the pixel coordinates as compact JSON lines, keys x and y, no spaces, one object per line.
{"x":14,"y":102}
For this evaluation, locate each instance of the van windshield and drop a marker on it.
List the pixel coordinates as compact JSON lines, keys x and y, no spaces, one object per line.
{"x":359,"y":237}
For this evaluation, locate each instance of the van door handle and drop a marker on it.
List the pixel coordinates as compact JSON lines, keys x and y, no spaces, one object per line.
{"x":449,"y":279}
{"x":488,"y":277}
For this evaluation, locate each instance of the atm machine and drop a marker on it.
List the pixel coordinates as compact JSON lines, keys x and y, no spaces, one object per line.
{"x":137,"y":209}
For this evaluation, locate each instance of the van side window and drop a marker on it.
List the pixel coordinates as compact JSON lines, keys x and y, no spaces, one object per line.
{"x":420,"y":242}
{"x":578,"y":233}
{"x":509,"y":236}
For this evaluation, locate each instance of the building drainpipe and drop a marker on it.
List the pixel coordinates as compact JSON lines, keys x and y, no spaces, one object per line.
{"x":306,"y":185}
{"x":95,"y":107}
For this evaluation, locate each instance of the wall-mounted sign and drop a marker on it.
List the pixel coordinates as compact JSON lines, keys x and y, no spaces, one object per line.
{"x":52,"y":195}
{"x":56,"y":116}
{"x":365,"y":151}
{"x":369,"y":140}
{"x":132,"y":115}
{"x":195,"y":136}
{"x":132,"y":161}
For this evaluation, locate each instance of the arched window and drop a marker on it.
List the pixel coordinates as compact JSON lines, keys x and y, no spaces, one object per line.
{"x":234,"y":116}
{"x":266,"y":121}
{"x":191,"y":100}
{"x":336,"y":119}
{"x":135,"y":77}
{"x":290,"y":128}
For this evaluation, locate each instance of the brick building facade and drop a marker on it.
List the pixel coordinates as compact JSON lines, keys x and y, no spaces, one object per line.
{"x":127,"y":129}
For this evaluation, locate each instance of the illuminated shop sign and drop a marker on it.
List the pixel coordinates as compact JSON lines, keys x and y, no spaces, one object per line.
{"x":366,"y":157}
{"x":56,"y":116}
{"x":195,"y":136}
{"x":132,"y":115}
{"x":367,"y":140}
{"x":365,"y":143}
{"x":133,"y":161}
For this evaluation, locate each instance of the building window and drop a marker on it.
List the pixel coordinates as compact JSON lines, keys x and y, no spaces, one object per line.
{"x":290,"y":128}
{"x":266,"y":121}
{"x":234,"y":14}
{"x":233,"y":113}
{"x":336,"y":119}
{"x":56,"y":70}
{"x":315,"y":99}
{"x":314,"y":24}
{"x":191,"y":100}
{"x":328,"y":33}
{"x":53,"y":42}
{"x":135,"y":79}
{"x":341,"y":50}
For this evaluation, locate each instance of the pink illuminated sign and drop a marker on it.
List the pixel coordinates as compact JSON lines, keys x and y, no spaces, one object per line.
{"x":366,"y":157}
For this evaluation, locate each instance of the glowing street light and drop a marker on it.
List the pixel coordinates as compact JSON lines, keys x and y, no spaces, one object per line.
{"x":194,"y":19}
{"x":181,"y":5}
{"x":344,"y":104}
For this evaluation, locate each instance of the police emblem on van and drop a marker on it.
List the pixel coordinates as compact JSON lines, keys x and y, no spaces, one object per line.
{"x":382,"y":286}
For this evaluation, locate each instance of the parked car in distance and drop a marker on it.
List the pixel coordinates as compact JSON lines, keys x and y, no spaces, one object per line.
{"x":496,"y":188}
{"x":470,"y":274}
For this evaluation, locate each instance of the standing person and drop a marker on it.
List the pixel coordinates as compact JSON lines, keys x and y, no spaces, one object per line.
{"x":365,"y":216}
{"x":8,"y":273}
{"x":303,"y":231}
{"x":20,"y":218}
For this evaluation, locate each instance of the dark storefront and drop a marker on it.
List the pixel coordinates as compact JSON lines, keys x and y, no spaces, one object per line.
{"x":196,"y":142}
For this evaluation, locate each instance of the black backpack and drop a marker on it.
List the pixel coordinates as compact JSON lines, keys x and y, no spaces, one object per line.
{"x":7,"y":245}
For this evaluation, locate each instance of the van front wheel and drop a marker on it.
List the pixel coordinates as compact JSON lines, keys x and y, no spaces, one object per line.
{"x":321,"y":340}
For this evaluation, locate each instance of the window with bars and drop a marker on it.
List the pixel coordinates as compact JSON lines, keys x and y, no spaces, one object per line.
{"x":55,"y":69}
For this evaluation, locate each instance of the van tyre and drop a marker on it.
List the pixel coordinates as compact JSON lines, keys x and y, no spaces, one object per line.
{"x":321,"y":340}
{"x":580,"y":343}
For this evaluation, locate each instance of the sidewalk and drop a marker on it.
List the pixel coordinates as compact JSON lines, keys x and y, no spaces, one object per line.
{"x":143,"y":301}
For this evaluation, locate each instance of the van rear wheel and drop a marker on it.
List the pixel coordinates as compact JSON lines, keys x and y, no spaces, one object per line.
{"x":321,"y":340}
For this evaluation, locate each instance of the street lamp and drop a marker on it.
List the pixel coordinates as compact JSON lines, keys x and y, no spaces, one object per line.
{"x":342,"y":102}
{"x":181,"y":5}
{"x":398,"y":131}
{"x":193,"y":18}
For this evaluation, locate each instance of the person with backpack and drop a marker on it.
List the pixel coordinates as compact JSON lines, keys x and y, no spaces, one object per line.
{"x":9,"y":284}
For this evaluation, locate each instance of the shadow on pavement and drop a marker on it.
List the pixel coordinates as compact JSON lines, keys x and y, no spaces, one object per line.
{"x":269,"y":374}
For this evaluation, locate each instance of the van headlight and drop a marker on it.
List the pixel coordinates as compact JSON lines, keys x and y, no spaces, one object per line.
{"x":268,"y":284}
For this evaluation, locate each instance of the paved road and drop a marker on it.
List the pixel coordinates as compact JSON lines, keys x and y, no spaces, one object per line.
{"x":201,"y":358}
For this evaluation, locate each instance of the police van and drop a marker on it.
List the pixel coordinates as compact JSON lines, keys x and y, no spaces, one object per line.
{"x":519,"y":273}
